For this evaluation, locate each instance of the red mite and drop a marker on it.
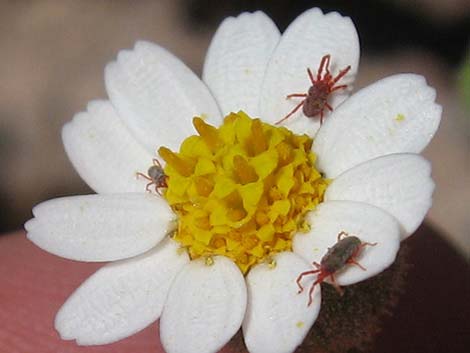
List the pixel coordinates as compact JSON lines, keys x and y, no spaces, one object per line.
{"x":344,"y":252}
{"x":316,"y":99}
{"x":156,"y":176}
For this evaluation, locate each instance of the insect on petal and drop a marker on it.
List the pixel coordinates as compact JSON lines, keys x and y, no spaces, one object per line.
{"x":369,"y":223}
{"x":311,"y":36}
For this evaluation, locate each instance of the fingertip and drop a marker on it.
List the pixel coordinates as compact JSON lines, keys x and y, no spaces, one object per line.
{"x":34,"y":286}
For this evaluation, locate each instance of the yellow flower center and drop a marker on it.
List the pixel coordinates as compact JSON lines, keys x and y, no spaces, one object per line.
{"x":241,"y":190}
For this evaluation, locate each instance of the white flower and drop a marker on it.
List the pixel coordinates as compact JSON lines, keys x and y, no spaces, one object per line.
{"x":369,"y":146}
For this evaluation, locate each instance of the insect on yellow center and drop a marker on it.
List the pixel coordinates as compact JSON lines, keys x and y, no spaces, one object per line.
{"x":241,"y":190}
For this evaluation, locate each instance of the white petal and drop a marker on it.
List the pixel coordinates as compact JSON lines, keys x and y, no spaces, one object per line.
{"x":278,"y":318}
{"x":103,"y":152}
{"x":394,"y":115}
{"x":236,"y":61}
{"x":121,"y":298}
{"x":157,"y":96}
{"x":369,"y":223}
{"x":400,"y":184}
{"x":100,"y":227}
{"x":311,"y":36}
{"x":205,"y":307}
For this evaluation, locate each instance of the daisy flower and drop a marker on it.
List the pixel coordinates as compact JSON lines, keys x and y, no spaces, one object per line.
{"x":242,"y":206}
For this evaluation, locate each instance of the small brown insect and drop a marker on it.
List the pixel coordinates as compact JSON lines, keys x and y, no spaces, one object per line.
{"x":156,"y":176}
{"x":316,"y":99}
{"x":344,"y":252}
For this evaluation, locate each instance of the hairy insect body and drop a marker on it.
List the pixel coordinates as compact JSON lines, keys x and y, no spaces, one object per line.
{"x":344,"y":252}
{"x":315,"y":101}
{"x":339,"y":255}
{"x":156,"y":176}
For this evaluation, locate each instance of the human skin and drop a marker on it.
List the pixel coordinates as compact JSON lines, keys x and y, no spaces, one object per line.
{"x":33,"y":286}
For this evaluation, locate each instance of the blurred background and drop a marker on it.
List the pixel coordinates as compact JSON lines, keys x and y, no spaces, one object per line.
{"x":53,"y":54}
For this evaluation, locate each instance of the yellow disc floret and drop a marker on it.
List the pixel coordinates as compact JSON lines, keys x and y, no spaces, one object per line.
{"x":241,"y":190}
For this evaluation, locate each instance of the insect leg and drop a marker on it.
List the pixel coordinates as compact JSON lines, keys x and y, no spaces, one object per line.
{"x":296,"y":95}
{"x":321,"y":113}
{"x":292,"y":112}
{"x":310,"y":292}
{"x":311,"y":272}
{"x":352,"y":259}
{"x":310,"y":74}
{"x":325,"y":62}
{"x":342,"y":234}
{"x":338,"y":87}
{"x":354,"y":262}
{"x":335,"y":285}
{"x":139,"y":174}
{"x":362,"y":246}
{"x":340,"y":75}
{"x":148,"y":185}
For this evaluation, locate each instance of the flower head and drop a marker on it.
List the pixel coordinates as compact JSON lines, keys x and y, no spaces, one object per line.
{"x":248,"y":205}
{"x":241,"y":190}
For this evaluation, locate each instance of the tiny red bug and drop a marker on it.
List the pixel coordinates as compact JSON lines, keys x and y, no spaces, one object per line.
{"x":156,"y":176}
{"x":339,"y":255}
{"x":316,"y":99}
